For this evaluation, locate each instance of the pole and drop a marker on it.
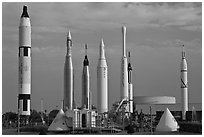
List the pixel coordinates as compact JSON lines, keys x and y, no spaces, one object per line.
{"x":18,"y":121}
{"x":150,"y":119}
{"x":42,"y":109}
{"x":62,"y":104}
{"x":123,"y":115}
{"x":18,"y":117}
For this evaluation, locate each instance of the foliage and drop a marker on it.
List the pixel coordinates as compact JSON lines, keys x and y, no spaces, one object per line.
{"x":10,"y":116}
{"x":34,"y":128}
{"x":35,"y":116}
{"x":52,"y":115}
{"x":129,"y":129}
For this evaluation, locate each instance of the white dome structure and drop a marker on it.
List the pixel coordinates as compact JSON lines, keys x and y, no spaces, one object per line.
{"x":59,"y":123}
{"x":167,"y":122}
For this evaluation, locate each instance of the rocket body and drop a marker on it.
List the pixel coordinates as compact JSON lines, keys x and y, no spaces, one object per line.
{"x":90,"y":100}
{"x":85,"y":88}
{"x":124,"y":67}
{"x":24,"y":90}
{"x":102,"y":81}
{"x":130,"y":86}
{"x":184,"y":85}
{"x":68,"y":77}
{"x":86,"y":84}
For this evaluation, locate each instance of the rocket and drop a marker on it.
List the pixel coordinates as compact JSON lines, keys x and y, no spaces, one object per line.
{"x":130,"y":86}
{"x":85,"y":82}
{"x":124,"y":69}
{"x":184,"y":85}
{"x":90,"y":100}
{"x":24,"y":74}
{"x":68,"y":76}
{"x":102,"y":81}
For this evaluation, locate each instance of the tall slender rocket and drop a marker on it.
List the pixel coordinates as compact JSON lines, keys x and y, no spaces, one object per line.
{"x":24,"y":91}
{"x":184,"y":84}
{"x":102,"y":81}
{"x":86,"y":82}
{"x":124,"y":67}
{"x":68,"y":76}
{"x":130,"y":85}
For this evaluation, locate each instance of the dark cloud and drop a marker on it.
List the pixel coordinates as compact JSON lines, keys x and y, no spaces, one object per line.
{"x":199,"y":13}
{"x":96,"y":5}
{"x":127,"y":4}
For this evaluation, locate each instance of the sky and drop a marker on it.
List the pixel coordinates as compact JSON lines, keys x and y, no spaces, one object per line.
{"x":155,"y":32}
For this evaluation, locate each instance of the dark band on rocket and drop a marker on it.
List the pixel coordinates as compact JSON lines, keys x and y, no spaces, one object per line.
{"x":184,"y":85}
{"x":25,"y":51}
{"x":25,"y":105}
{"x":23,"y":96}
{"x":70,"y":41}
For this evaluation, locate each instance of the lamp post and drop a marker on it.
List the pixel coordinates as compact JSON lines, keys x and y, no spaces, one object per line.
{"x":18,"y":121}
{"x":150,"y":108}
{"x":18,"y":117}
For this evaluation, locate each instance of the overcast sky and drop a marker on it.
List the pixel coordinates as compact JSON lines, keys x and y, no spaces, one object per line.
{"x":154,"y":33}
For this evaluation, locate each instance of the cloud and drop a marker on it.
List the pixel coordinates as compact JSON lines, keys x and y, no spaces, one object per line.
{"x":193,"y":45}
{"x":192,"y":28}
{"x":54,"y":19}
{"x":143,"y":14}
{"x":106,"y":15}
{"x":171,"y":14}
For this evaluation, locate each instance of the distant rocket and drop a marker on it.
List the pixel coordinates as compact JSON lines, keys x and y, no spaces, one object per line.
{"x":86,"y":82}
{"x":130,"y":86}
{"x":68,"y":76}
{"x":102,"y":81}
{"x":24,"y":64}
{"x":184,"y":85}
{"x":124,"y":67}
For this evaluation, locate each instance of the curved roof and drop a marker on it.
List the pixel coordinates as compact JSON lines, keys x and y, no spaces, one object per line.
{"x":154,"y":100}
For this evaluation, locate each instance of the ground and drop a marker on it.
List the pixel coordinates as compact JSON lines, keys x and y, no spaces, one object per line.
{"x":14,"y":132}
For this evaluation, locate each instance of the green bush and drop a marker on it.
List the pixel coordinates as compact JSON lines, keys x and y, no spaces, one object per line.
{"x":130,"y":129}
{"x":33,"y":128}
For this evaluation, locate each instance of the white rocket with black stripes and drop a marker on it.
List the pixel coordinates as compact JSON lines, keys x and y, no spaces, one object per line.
{"x":86,"y":82}
{"x":184,"y":85}
{"x":130,"y":86}
{"x":24,"y":91}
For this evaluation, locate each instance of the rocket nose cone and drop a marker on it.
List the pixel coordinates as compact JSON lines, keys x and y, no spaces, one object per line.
{"x":69,"y":35}
{"x":86,"y":61}
{"x":101,"y":50}
{"x":25,"y":13}
{"x":102,"y":43}
{"x":123,"y":28}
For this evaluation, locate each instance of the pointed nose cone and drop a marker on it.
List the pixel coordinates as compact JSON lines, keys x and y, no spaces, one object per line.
{"x":86,"y":60}
{"x":25,"y":12}
{"x":183,"y":53}
{"x":69,"y":35}
{"x":124,"y":40}
{"x":123,"y":28}
{"x":102,"y":43}
{"x":102,"y":50}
